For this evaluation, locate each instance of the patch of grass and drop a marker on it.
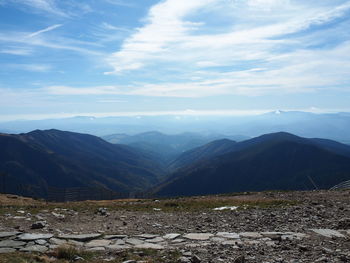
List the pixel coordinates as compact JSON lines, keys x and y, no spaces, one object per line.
{"x":147,"y":255}
{"x":24,"y":258}
{"x":200,"y":203}
{"x":71,"y":253}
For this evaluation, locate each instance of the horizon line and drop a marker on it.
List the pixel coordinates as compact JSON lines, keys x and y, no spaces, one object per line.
{"x":188,"y":112}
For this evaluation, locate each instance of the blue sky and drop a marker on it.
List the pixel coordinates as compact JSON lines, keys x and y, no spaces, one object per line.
{"x":111,"y":57}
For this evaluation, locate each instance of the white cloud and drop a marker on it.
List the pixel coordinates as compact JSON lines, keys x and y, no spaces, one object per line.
{"x":178,"y":37}
{"x":50,"y":28}
{"x":164,"y":27}
{"x":302,"y":71}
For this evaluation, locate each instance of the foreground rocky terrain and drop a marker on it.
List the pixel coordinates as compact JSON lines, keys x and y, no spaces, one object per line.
{"x":247,"y":227}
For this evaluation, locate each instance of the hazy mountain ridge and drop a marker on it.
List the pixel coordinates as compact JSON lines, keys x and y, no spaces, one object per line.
{"x":164,"y":147}
{"x":64,"y":159}
{"x":272,"y":161}
{"x":326,"y":125}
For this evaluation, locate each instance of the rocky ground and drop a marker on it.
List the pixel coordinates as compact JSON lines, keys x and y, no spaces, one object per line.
{"x":248,"y":227}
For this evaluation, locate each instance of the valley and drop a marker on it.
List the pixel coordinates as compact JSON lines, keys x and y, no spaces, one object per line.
{"x":43,"y":162}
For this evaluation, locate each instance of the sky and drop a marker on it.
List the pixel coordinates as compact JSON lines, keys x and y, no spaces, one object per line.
{"x":110,"y":57}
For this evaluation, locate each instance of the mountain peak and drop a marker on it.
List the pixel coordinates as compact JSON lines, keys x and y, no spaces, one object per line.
{"x":278,"y":112}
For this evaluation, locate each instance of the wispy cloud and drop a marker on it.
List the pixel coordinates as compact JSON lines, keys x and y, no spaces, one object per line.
{"x":18,"y":51}
{"x":48,"y":6}
{"x":30,"y":67}
{"x":108,"y":26}
{"x":296,"y":72}
{"x":50,"y":28}
{"x":267,"y":34}
{"x":37,"y":39}
{"x":126,"y":3}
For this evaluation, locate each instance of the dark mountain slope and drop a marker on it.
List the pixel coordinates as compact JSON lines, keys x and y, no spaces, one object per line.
{"x":206,"y":151}
{"x":225,"y":146}
{"x":64,"y":159}
{"x":273,"y":161}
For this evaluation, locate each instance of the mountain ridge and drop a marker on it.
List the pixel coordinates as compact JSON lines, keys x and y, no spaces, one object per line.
{"x":263,"y":160}
{"x":65,"y":159}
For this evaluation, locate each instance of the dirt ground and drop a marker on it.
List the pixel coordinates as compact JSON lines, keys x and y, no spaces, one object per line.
{"x":284,"y":212}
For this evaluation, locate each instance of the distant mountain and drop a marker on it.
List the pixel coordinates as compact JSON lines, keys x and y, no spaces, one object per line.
{"x":223,"y":146}
{"x":332,"y":126}
{"x":53,"y":158}
{"x":272,"y":161}
{"x":206,"y":151}
{"x":162,"y":146}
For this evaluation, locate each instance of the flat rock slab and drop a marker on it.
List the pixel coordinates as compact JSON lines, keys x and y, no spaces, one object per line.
{"x":147,"y":236}
{"x":32,"y":237}
{"x":149,"y":246}
{"x":58,"y":242}
{"x":272,"y":235}
{"x":98,"y":243}
{"x":178,"y":240}
{"x":82,"y":238}
{"x":291,"y":236}
{"x":156,"y":240}
{"x":35,"y":248}
{"x":171,"y":236}
{"x":9,"y":234}
{"x":5,"y":250}
{"x":228,"y":235}
{"x":218,"y":239}
{"x":119,"y":242}
{"x":41,"y":242}
{"x":115,"y":236}
{"x":134,"y":241}
{"x":328,"y":233}
{"x":198,"y":236}
{"x":253,"y":235}
{"x":11,"y":243}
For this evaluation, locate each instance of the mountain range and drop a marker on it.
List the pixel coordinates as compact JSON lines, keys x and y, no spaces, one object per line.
{"x":165,"y":147}
{"x":52,"y":158}
{"x":269,"y":162}
{"x":168,"y":165}
{"x":332,"y":126}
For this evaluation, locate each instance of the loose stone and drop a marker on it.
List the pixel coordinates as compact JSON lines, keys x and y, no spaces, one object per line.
{"x":11,"y":243}
{"x":328,"y":233}
{"x":34,"y":248}
{"x":198,"y":236}
{"x":8,"y":234}
{"x":98,"y":243}
{"x":82,"y":238}
{"x":30,"y":237}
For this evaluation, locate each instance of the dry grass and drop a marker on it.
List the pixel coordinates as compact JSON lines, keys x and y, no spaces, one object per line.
{"x":10,"y":204}
{"x":15,"y":200}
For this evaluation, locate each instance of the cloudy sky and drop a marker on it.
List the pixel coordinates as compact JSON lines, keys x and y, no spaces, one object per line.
{"x":105,"y":57}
